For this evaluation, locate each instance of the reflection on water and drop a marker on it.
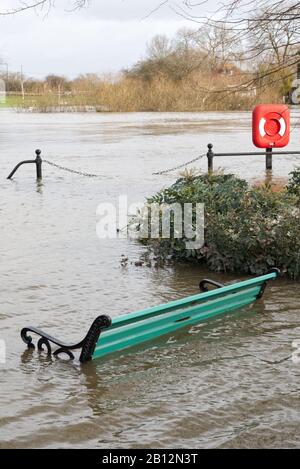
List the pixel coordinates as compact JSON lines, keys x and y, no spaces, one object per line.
{"x":223,"y":383}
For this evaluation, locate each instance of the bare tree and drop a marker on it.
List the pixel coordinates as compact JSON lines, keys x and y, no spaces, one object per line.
{"x":159,"y":47}
{"x":267,"y":30}
{"x":56,"y":83}
{"x":265,"y":19}
{"x":218,"y":45}
{"x":274,"y":44}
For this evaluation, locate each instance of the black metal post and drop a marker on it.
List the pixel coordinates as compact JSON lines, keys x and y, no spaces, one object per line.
{"x":39,"y":161}
{"x":269,"y":159}
{"x":268,"y":153}
{"x":210,"y":157}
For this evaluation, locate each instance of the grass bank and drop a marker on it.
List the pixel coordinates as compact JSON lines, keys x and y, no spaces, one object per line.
{"x":51,"y":103}
{"x":196,"y":93}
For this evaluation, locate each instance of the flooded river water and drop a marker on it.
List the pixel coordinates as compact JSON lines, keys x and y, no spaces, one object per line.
{"x":222,"y":384}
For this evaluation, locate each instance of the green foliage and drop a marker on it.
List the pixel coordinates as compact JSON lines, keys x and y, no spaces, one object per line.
{"x":247,"y":230}
{"x":294,"y":183}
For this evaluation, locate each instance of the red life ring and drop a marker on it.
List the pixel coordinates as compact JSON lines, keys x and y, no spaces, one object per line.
{"x":271,"y":126}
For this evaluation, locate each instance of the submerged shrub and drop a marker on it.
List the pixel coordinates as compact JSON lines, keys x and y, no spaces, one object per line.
{"x":247,"y":230}
{"x":294,"y":183}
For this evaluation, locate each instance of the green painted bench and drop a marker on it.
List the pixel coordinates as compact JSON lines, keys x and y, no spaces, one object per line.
{"x":107,"y":336}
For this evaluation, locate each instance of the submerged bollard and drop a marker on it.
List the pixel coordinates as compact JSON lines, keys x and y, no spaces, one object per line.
{"x":38,"y":162}
{"x":210,"y":157}
{"x":269,"y":159}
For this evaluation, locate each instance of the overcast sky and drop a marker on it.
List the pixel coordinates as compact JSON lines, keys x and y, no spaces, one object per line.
{"x":105,"y":37}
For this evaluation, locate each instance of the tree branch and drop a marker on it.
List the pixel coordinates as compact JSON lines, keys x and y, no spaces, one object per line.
{"x":39,"y":4}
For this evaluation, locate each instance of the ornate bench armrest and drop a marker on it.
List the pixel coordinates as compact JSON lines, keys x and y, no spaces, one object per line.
{"x":87,"y":345}
{"x":203,"y":284}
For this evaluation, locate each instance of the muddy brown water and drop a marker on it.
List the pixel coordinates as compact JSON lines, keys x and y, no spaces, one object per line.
{"x":221,"y":384}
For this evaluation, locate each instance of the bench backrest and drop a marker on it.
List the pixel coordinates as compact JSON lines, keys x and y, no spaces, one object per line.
{"x":135,"y":328}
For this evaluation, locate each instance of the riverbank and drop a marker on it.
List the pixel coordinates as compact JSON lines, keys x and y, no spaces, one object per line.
{"x":46,"y":104}
{"x":196,"y":93}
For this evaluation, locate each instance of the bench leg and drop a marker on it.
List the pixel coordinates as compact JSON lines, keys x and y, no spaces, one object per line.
{"x":87,"y":345}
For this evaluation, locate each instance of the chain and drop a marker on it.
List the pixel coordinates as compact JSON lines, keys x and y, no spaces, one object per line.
{"x":81,"y":173}
{"x":159,"y":173}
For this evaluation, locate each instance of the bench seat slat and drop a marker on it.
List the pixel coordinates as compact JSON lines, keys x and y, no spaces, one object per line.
{"x":127,"y":335}
{"x":156,"y":310}
{"x":177,"y":314}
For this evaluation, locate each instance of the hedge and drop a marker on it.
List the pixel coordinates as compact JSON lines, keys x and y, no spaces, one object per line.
{"x":247,"y":229}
